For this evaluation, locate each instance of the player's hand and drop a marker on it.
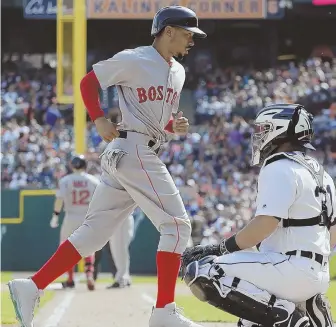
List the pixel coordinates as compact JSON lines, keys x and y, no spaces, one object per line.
{"x":106,"y":129}
{"x":54,"y":221}
{"x":180,"y":124}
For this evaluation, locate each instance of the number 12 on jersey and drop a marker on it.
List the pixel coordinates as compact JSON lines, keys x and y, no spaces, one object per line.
{"x":80,"y":197}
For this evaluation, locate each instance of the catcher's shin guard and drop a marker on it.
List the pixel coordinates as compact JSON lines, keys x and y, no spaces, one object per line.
{"x":318,"y":310}
{"x":233,"y":296}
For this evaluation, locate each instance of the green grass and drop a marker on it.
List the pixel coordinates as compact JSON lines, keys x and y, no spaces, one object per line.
{"x":6,"y":276}
{"x":204,"y":312}
{"x":7,"y":309}
{"x":332,"y":266}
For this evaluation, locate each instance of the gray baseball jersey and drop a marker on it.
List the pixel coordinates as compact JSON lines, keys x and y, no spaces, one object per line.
{"x":148,"y":88}
{"x":132,"y":174}
{"x":76,"y":190}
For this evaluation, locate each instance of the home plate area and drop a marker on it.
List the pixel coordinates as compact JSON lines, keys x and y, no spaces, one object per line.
{"x":117,"y":307}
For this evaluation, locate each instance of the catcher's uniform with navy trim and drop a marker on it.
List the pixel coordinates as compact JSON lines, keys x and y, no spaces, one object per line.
{"x":291,"y":269}
{"x":286,"y":190}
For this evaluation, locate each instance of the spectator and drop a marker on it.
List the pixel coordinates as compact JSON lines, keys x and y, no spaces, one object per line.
{"x":210,"y":165}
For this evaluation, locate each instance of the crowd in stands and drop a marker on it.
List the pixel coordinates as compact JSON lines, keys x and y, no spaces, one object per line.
{"x":210,"y":165}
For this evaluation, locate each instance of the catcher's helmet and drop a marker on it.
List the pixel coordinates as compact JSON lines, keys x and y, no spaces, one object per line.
{"x":278,"y":124}
{"x":176,"y":16}
{"x":78,"y":162}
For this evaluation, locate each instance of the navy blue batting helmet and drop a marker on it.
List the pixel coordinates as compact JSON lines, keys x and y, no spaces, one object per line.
{"x":78,"y":162}
{"x":176,"y":16}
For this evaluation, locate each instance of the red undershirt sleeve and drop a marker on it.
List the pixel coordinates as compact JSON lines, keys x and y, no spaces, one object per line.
{"x":89,"y":87}
{"x":169,"y":126}
{"x":90,"y":94}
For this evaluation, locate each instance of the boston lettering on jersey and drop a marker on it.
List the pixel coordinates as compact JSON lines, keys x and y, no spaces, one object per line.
{"x":156,"y":94}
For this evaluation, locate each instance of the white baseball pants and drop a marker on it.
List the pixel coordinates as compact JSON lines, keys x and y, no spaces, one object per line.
{"x":291,"y":278}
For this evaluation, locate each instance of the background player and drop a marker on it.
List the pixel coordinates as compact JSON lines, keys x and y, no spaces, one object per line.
{"x":75,"y":193}
{"x":118,"y":252}
{"x":119,"y":245}
{"x":296,"y":208}
{"x":149,"y":82}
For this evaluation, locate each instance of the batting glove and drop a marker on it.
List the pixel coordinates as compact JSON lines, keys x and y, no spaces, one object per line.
{"x":54,"y":221}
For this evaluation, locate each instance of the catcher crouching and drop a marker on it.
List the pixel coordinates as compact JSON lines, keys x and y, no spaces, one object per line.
{"x":283,"y":284}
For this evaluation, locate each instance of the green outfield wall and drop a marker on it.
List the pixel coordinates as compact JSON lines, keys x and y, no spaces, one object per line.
{"x":27,"y":240}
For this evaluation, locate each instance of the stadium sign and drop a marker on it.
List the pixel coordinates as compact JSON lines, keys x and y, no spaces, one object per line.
{"x":146,"y":9}
{"x":42,"y":9}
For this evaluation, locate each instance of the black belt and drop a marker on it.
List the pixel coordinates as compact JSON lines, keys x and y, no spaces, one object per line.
{"x":151,"y":143}
{"x":308,"y":254}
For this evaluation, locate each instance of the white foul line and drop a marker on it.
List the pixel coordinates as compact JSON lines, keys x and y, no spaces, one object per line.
{"x":59,"y":311}
{"x":148,"y":298}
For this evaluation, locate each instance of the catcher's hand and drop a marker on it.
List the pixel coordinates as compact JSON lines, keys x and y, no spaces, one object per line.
{"x":198,"y":252}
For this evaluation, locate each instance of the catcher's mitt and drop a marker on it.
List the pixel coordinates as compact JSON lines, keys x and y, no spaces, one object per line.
{"x":196,"y":253}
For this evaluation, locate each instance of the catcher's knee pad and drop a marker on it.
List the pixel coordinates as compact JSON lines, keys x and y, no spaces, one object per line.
{"x":318,"y":310}
{"x":207,"y":281}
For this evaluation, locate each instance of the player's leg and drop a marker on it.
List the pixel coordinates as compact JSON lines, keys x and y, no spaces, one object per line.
{"x":255,"y":306}
{"x":288,"y":277}
{"x":149,"y":183}
{"x":64,"y":234}
{"x":109,"y":206}
{"x":89,"y":272}
{"x":69,"y":225}
{"x":119,"y":245}
{"x":97,"y":260}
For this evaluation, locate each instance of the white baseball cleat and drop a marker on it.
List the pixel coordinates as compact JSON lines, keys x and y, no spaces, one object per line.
{"x":25,"y":296}
{"x":169,"y":316}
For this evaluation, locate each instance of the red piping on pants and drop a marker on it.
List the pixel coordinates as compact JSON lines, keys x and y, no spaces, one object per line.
{"x":150,"y":181}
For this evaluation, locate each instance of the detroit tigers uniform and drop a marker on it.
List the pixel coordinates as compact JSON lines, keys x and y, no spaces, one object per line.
{"x":132,"y":174}
{"x":286,"y":190}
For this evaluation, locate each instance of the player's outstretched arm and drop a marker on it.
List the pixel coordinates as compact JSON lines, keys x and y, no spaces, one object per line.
{"x":255,"y":232}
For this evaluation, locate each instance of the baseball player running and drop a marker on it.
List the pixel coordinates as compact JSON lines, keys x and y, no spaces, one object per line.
{"x":149,"y":82}
{"x":75,"y":192}
{"x":296,"y":208}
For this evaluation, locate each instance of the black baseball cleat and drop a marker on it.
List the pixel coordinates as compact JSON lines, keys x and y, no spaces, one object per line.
{"x":319,"y":311}
{"x":90,"y":283}
{"x":68,"y":284}
{"x":119,"y":285}
{"x":297,"y":319}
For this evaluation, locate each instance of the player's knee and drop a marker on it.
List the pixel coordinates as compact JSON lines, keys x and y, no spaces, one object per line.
{"x":88,"y":240}
{"x":175,"y":235}
{"x":184,"y":233}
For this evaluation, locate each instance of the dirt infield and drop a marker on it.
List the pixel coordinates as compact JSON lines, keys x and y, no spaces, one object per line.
{"x":114,"y":308}
{"x":129,"y":307}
